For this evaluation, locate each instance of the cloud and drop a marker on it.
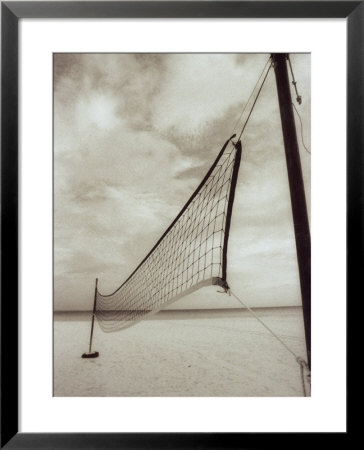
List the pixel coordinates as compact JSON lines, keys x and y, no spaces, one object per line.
{"x":197,"y":90}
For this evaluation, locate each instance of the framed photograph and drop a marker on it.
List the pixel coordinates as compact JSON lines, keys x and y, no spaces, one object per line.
{"x":181,"y":186}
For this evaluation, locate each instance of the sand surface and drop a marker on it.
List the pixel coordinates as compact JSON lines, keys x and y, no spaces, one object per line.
{"x":182,"y":353}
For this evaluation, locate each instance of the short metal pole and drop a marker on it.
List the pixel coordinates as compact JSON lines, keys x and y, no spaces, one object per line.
{"x":93,"y":316}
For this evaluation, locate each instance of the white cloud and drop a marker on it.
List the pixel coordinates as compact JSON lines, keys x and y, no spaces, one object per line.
{"x":198,"y":90}
{"x":98,"y":110}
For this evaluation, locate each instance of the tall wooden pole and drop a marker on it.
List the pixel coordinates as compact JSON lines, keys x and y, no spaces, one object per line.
{"x":93,"y":316}
{"x":296,"y":186}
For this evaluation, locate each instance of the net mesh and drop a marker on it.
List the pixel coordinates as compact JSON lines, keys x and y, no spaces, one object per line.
{"x":190,"y":254}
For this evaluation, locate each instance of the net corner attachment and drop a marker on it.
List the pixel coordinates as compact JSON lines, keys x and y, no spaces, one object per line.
{"x":237,"y":145}
{"x":90,"y":355}
{"x":217,"y":281}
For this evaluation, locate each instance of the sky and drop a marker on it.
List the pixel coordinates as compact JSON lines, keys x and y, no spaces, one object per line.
{"x":134,"y":134}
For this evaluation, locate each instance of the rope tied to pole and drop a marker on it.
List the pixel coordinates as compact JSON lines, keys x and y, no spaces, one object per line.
{"x":251,"y":94}
{"x":304,"y":368}
{"x":299,"y":117}
{"x":301,"y":362}
{"x":255,"y":100}
{"x":294,"y":82}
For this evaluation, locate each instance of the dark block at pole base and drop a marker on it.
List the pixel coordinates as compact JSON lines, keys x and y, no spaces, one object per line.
{"x":90,"y":355}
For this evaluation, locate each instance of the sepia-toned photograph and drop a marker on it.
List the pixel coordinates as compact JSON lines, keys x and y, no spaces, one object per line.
{"x":181,"y":225}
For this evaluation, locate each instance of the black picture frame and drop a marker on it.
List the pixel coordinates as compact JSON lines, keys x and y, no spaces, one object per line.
{"x":11,"y":12}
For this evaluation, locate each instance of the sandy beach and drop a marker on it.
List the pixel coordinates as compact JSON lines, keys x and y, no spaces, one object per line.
{"x":182,"y":354}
